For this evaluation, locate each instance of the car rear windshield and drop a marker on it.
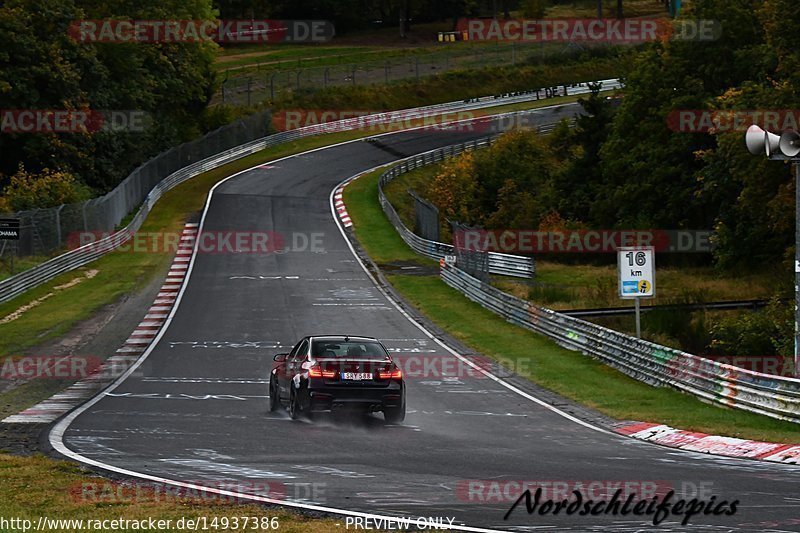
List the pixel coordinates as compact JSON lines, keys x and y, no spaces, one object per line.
{"x":322,"y":349}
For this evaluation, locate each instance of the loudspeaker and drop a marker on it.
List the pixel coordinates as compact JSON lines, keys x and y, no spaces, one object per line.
{"x":758,"y":141}
{"x":790,"y":143}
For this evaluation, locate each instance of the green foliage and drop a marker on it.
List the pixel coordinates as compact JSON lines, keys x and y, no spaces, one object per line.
{"x":352,"y":15}
{"x":219,"y":115}
{"x":627,"y":165}
{"x":544,"y":294}
{"x":43,"y":67}
{"x":505,"y":186}
{"x":47,"y":189}
{"x":514,"y":177}
{"x":766,"y":332}
{"x":455,"y":188}
{"x":533,"y":9}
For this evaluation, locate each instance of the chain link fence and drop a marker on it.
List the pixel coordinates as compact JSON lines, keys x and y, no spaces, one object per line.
{"x":470,"y":259}
{"x":496,"y":263}
{"x":426,"y":218}
{"x":44,"y":231}
{"x":253,"y":86}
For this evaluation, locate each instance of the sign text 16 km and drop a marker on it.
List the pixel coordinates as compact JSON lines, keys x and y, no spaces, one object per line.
{"x":637,"y":276}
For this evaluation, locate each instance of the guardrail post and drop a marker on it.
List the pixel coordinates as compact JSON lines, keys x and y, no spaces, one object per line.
{"x":58,"y":224}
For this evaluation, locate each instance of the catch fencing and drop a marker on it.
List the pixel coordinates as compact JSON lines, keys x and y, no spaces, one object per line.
{"x":505,"y":264}
{"x":426,"y":218}
{"x":249,"y":85}
{"x":765,"y":394}
{"x":498,"y":263}
{"x":43,"y":231}
{"x":19,"y":283}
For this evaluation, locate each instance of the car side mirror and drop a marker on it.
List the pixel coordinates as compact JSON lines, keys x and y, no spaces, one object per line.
{"x":281,"y":357}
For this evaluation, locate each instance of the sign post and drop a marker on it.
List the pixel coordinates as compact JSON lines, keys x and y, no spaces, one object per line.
{"x":637,"y":276}
{"x":9,"y":229}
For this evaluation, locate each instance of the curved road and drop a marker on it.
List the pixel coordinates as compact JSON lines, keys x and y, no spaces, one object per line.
{"x":196,"y":409}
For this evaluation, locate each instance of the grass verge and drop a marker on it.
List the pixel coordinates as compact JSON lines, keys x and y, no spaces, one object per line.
{"x":35,"y":487}
{"x":568,"y":373}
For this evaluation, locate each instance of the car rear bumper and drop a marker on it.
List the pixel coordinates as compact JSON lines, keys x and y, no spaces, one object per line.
{"x":326,"y":399}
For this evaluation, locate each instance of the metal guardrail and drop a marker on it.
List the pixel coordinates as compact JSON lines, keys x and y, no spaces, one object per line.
{"x":620,"y":311}
{"x":16,"y":285}
{"x":51,"y":229}
{"x":505,"y":264}
{"x":773,"y":396}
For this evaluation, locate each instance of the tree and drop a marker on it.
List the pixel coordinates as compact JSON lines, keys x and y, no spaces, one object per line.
{"x":43,"y":67}
{"x":578,"y":182}
{"x":533,"y":9}
{"x":47,"y":189}
{"x":648,"y":170}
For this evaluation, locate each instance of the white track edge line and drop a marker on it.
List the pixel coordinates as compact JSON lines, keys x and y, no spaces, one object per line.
{"x":445,"y":346}
{"x":56,"y":435}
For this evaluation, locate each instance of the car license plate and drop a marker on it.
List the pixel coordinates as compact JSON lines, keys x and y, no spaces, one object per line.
{"x":356,"y":376}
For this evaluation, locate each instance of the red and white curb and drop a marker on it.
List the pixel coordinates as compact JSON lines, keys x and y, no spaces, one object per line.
{"x":137,"y":343}
{"x":341,"y":210}
{"x":711,"y":444}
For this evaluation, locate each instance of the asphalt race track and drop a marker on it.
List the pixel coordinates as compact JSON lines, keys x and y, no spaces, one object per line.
{"x":196,"y":410}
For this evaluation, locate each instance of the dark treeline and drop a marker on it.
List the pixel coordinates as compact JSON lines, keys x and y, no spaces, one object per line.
{"x":623,"y":166}
{"x":352,"y":15}
{"x":42,"y":67}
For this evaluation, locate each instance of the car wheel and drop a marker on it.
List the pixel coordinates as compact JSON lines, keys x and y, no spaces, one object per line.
{"x":395,"y":415}
{"x":274,"y":398}
{"x":304,"y":403}
{"x":294,"y":408}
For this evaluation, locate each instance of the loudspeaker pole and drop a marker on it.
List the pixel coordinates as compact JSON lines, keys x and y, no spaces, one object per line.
{"x":784,"y":147}
{"x":797,"y":269}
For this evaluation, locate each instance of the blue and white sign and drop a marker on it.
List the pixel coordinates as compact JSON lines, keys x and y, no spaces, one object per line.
{"x":637,"y":276}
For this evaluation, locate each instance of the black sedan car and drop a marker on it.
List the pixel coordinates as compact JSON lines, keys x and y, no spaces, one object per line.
{"x":336,"y":372}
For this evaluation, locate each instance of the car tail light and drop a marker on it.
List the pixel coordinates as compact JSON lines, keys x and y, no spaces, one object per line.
{"x":394,"y":373}
{"x":316,"y":372}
